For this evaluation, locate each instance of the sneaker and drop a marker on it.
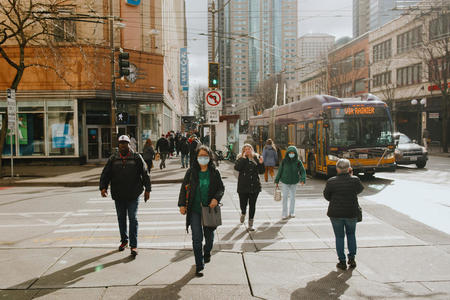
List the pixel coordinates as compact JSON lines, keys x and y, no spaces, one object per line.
{"x":134,"y":252}
{"x":123,"y":246}
{"x":242,"y":219}
{"x":284,"y":217}
{"x":250,"y":225}
{"x":341,"y":265}
{"x":292,"y":216}
{"x":351,"y":263}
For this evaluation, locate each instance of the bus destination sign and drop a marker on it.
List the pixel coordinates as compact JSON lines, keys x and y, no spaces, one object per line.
{"x":354,"y":111}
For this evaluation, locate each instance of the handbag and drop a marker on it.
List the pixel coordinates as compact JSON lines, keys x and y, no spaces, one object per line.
{"x":157,"y":157}
{"x":359,"y":217}
{"x":211,"y":217}
{"x":277,"y":194}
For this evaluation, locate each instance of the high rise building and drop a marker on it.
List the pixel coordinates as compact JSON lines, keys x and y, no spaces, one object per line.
{"x":361,"y":17}
{"x":311,"y":48}
{"x":256,"y":39}
{"x":372,"y":14}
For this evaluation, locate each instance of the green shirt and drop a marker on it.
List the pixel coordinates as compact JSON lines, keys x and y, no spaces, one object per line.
{"x":201,"y":192}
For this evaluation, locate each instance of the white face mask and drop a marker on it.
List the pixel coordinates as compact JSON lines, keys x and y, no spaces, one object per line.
{"x":203,"y":160}
{"x":291,"y":155}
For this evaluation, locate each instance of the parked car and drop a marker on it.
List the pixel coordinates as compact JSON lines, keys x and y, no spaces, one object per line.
{"x":409,"y":152}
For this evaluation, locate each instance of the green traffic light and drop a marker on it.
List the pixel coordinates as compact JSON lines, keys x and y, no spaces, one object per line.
{"x":214,"y":81}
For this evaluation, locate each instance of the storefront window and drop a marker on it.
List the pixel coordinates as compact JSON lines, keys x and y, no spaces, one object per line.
{"x":61,"y":133}
{"x":39,"y":121}
{"x":149,"y":122}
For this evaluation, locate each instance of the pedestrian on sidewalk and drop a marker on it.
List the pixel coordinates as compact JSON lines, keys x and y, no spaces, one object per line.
{"x":128,"y":175}
{"x":342,"y":193}
{"x":270,"y":157}
{"x":249,"y":165}
{"x":184,"y":150}
{"x":290,"y":173}
{"x":148,"y":154}
{"x":162,"y":147}
{"x":202,"y":186}
{"x":194,"y":144}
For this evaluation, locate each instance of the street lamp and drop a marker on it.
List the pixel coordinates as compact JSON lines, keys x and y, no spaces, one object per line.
{"x":420,"y":104}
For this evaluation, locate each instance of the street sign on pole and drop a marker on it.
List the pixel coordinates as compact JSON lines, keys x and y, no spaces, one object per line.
{"x":11,"y":100}
{"x":213,"y":100}
{"x":212,"y":116}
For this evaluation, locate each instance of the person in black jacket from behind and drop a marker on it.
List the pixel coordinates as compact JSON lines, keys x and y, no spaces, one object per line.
{"x":249,"y":165}
{"x":341,"y":191}
{"x":127,"y":173}
{"x":184,"y":149}
{"x":163,"y":147}
{"x":194,"y":144}
{"x":202,"y":186}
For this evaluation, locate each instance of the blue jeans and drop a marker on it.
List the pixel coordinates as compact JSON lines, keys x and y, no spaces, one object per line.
{"x":124,"y":208}
{"x":185,"y":160}
{"x":197,"y":239}
{"x":288,"y":190}
{"x":341,"y":228}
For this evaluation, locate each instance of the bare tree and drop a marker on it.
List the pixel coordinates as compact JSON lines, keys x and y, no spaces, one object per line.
{"x":199,"y":93}
{"x":264,"y":95}
{"x":434,"y":51}
{"x":30,"y":32}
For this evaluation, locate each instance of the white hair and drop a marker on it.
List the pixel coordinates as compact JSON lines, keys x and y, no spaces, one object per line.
{"x":343,"y":165}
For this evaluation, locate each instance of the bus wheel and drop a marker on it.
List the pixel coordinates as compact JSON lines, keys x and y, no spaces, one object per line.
{"x":369,"y":176}
{"x":312,"y":167}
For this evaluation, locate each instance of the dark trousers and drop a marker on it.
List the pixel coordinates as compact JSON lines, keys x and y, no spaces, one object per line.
{"x":124,"y":208}
{"x":198,"y":230}
{"x":149,"y":163}
{"x":344,"y":227}
{"x":250,"y":199}
{"x":163,"y":156}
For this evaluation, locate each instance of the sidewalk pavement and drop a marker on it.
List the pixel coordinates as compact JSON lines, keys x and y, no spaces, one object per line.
{"x":398,"y":258}
{"x":82,"y":175}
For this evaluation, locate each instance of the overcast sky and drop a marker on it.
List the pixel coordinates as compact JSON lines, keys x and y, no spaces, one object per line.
{"x":315,"y":16}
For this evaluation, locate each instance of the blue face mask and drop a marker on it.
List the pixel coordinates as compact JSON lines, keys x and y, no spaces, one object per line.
{"x":291,"y":155}
{"x":203,"y":160}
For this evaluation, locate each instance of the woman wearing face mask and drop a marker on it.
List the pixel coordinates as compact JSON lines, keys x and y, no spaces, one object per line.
{"x":202,"y":186}
{"x":290,"y":172}
{"x":249,"y":165}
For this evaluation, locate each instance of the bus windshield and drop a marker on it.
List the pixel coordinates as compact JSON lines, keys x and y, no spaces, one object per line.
{"x":361,"y":131}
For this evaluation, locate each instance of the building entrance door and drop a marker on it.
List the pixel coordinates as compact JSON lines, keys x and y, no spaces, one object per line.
{"x":99,"y":143}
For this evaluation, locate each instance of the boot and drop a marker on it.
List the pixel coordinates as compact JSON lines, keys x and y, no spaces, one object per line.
{"x":342,"y":265}
{"x":242,"y":219}
{"x":351,"y":263}
{"x":250,"y":225}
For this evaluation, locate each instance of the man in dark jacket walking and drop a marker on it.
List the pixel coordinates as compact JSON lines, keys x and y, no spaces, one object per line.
{"x":128,"y":175}
{"x":162,"y":147}
{"x":341,"y":191}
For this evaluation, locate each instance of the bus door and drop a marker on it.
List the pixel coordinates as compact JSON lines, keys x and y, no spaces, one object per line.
{"x":291,"y":134}
{"x":321,"y":147}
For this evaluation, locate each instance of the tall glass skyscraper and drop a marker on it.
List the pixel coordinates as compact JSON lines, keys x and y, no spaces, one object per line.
{"x":256,"y":39}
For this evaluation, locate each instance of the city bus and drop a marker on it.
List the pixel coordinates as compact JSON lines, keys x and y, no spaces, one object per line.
{"x":325,"y":128}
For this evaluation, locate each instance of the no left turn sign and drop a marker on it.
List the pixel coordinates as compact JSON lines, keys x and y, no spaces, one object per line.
{"x":214,"y":100}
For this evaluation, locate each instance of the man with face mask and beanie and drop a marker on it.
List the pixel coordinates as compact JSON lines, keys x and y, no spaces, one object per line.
{"x":127,"y":173}
{"x":290,"y":173}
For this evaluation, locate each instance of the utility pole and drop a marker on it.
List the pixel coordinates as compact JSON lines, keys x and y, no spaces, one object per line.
{"x":113,"y":77}
{"x":212,"y":133}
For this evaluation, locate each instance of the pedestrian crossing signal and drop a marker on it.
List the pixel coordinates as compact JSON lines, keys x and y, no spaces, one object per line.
{"x":213,"y":75}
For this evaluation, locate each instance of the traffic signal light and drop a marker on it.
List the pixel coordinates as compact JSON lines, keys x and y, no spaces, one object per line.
{"x":124,"y":64}
{"x":213,"y":75}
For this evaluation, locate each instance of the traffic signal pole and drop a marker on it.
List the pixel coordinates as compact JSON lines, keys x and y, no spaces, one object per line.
{"x":113,"y":78}
{"x":213,"y":44}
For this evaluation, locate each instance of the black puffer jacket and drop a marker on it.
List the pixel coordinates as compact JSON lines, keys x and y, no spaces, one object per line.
{"x":127,"y":176}
{"x":248,"y":180}
{"x":216,"y":188}
{"x":342,"y":191}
